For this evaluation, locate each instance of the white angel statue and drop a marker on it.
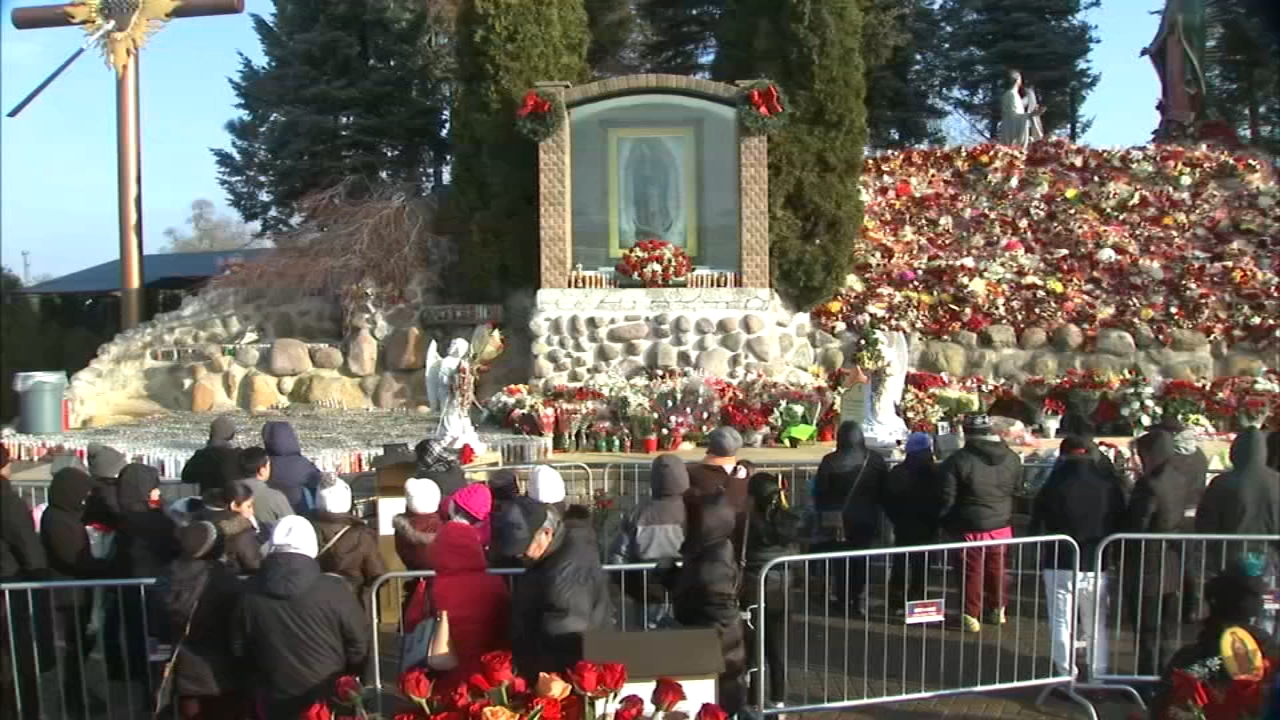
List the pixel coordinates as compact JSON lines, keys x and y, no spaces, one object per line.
{"x":882,"y":426}
{"x":451,"y":393}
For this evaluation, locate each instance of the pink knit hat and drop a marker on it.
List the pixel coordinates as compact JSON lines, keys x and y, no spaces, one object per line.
{"x":476,"y":500}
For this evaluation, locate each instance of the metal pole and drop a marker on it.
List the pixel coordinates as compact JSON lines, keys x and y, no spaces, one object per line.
{"x":129,"y":195}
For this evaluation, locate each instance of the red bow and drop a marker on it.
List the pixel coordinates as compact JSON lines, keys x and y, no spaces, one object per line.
{"x":765,"y":101}
{"x":534,"y":103}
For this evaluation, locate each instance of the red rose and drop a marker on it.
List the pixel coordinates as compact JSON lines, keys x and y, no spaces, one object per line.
{"x":572,"y":708}
{"x":408,"y":716}
{"x":667,"y":694}
{"x":544,"y":708}
{"x":631,"y":708}
{"x":711,"y":712}
{"x":449,"y":715}
{"x":349,"y":689}
{"x":1188,"y":688}
{"x":585,"y":677}
{"x":612,"y":675}
{"x":497,"y":667}
{"x":415,"y":685}
{"x":318,"y":711}
{"x":475,"y":710}
{"x":479,"y":684}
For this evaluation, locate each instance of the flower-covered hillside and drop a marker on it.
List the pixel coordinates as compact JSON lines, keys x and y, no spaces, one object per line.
{"x":1165,"y":237}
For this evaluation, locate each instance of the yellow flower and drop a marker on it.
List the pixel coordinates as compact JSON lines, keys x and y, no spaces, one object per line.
{"x":497,"y":712}
{"x":835,"y":306}
{"x":985,"y":159}
{"x":1071,"y":194}
{"x":978,"y":286}
{"x":549,"y":685}
{"x":1055,"y":286}
{"x":1167,"y":220}
{"x":1146,"y":313}
{"x":927,"y":298}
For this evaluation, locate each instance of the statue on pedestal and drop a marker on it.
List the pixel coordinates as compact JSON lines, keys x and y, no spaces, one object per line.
{"x":1019,"y":116}
{"x":1176,"y":53}
{"x":883,"y":427}
{"x":451,"y":394}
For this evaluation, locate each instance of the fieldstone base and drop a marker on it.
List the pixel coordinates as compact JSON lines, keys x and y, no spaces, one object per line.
{"x":720,"y":331}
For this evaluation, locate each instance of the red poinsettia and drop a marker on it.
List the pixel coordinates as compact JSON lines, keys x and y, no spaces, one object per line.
{"x":533,"y":104}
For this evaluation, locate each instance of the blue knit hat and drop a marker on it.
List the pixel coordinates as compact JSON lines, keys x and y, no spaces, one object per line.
{"x":919,"y":442}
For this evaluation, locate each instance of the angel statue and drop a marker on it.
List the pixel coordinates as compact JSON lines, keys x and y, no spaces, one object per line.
{"x":882,"y":426}
{"x":451,"y":393}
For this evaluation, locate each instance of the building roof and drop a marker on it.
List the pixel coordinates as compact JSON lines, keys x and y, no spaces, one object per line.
{"x":159,"y":270}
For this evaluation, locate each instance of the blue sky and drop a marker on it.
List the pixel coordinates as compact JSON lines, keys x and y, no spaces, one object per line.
{"x":57,"y":159}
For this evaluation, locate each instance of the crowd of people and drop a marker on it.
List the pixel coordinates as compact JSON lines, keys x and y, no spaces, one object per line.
{"x":265,"y":580}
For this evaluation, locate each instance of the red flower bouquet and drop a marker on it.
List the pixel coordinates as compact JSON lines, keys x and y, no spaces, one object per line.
{"x":655,"y":263}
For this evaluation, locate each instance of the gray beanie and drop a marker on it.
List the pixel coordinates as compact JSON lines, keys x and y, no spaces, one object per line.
{"x":724,"y":442}
{"x":105,"y":461}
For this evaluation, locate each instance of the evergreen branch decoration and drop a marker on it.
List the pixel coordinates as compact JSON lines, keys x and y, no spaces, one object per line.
{"x":540,"y":115}
{"x":762,"y":108}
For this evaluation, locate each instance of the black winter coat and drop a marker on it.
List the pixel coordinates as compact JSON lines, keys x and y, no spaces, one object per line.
{"x":842,"y":483}
{"x":978,"y":485}
{"x":146,"y":538}
{"x":1156,"y":506}
{"x":1079,"y":500}
{"x":297,"y":630}
{"x":1242,"y":501}
{"x":204,"y":665}
{"x":291,"y":473}
{"x":212,"y":467}
{"x":913,"y":498}
{"x":21,"y":554}
{"x":65,"y":540}
{"x":561,"y":596}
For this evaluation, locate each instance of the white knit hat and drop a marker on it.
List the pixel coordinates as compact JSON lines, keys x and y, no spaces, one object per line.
{"x":546,"y":485}
{"x":422,"y":495}
{"x":294,"y":534}
{"x":334,"y":497}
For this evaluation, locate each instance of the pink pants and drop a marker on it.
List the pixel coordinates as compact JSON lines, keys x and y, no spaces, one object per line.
{"x":983,"y":572}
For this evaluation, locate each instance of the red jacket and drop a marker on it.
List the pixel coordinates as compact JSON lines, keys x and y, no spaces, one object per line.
{"x":478,"y":603}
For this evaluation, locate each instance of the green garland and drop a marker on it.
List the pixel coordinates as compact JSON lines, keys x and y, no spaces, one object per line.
{"x":540,"y":115}
{"x":762,"y":108}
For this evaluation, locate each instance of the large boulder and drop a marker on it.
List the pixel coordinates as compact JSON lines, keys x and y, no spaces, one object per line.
{"x":264,"y":392}
{"x":362,"y":354}
{"x":327,"y":358}
{"x":289,"y":357}
{"x":334,"y":391}
{"x":714,"y":362}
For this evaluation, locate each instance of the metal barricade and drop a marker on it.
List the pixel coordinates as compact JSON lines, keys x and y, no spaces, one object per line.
{"x":80,"y":648}
{"x":1155,"y":603}
{"x":579,"y":481}
{"x":864,"y":627}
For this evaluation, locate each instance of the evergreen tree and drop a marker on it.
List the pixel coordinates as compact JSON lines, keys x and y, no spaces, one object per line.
{"x":504,"y":48}
{"x":906,"y":96}
{"x":679,"y":36}
{"x":612,"y":27}
{"x":347,"y":90}
{"x":1242,"y":68}
{"x":812,"y":49}
{"x":1048,"y":41}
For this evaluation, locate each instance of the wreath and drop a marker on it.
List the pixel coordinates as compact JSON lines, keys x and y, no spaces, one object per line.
{"x":655,"y":263}
{"x":762,"y":108}
{"x":540,"y":115}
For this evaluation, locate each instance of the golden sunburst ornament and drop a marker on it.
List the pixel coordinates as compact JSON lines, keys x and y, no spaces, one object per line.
{"x":134,"y":20}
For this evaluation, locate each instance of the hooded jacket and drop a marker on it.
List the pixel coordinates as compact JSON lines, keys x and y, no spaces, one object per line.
{"x":1244,"y":500}
{"x":241,"y":550}
{"x":1156,"y":506}
{"x":354,"y":555}
{"x":22,"y":556}
{"x":63,"y":535}
{"x":656,"y":530}
{"x":978,"y":485}
{"x":772,"y":532}
{"x":1079,"y":500}
{"x":146,"y":540}
{"x":102,"y":507}
{"x":912,"y":498}
{"x":415,"y":536}
{"x":297,"y":630}
{"x":217,"y":463}
{"x":850,"y":480}
{"x":291,"y":473}
{"x":562,"y":595}
{"x":478,"y":603}
{"x":1188,"y":460}
{"x":204,"y":665}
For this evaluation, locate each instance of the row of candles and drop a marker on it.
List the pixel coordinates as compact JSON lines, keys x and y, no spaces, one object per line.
{"x":603,"y":280}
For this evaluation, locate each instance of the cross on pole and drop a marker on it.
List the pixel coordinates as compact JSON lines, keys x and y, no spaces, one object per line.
{"x":121,"y":27}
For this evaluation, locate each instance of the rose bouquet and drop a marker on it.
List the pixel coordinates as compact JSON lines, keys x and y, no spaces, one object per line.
{"x":1183,"y":400}
{"x":920,"y":409}
{"x":1208,"y":690}
{"x":655,"y":263}
{"x":1137,"y":401}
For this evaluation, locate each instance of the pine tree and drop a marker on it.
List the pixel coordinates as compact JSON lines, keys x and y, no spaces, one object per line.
{"x":504,"y":48}
{"x":679,"y":36}
{"x":1242,"y":68}
{"x":813,"y":50}
{"x":1048,"y":41}
{"x":906,"y":96}
{"x":612,"y":25}
{"x":347,"y":90}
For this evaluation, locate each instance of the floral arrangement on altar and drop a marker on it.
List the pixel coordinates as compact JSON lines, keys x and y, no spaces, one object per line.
{"x":655,"y":263}
{"x":762,"y":108}
{"x":1162,"y":237}
{"x":498,"y":693}
{"x":1211,"y":690}
{"x":540,"y":115}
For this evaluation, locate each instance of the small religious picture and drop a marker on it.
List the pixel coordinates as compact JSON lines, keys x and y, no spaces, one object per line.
{"x":652,"y":188}
{"x":1240,"y":654}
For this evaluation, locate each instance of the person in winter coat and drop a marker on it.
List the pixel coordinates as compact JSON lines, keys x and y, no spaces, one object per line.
{"x":1273,"y":451}
{"x":504,"y":490}
{"x":218,"y":462}
{"x":103,"y":505}
{"x":416,"y":529}
{"x":438,"y":463}
{"x":291,"y":473}
{"x":978,"y":484}
{"x":1152,"y":574}
{"x":477,"y":604}
{"x":472,"y":505}
{"x":719,"y":472}
{"x":654,"y":533}
{"x":270,"y":506}
{"x":348,"y":546}
{"x":564,"y":592}
{"x":847,"y":497}
{"x":706,"y":592}
{"x":546,"y":485}
{"x":912,"y":497}
{"x":296,"y":629}
{"x":70,"y":557}
{"x":772,"y":531}
{"x":22,"y":559}
{"x":231,"y":511}
{"x":1079,"y":500}
{"x":199,"y":594}
{"x":1189,"y":461}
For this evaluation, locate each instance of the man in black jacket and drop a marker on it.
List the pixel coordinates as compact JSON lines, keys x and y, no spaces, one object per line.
{"x":218,"y":462}
{"x":1082,"y":501}
{"x":978,"y":484}
{"x":298,"y":628}
{"x":21,"y":559}
{"x":563,"y":594}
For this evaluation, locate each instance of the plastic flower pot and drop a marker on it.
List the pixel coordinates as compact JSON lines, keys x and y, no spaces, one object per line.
{"x":650,"y":444}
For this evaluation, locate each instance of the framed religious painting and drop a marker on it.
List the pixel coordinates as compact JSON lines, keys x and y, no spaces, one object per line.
{"x":653,"y":191}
